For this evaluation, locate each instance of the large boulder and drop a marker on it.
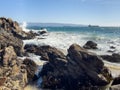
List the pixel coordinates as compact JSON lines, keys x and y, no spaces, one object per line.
{"x":80,"y":70}
{"x":90,"y":45}
{"x":46,"y":52}
{"x":13,"y":75}
{"x":115,"y":57}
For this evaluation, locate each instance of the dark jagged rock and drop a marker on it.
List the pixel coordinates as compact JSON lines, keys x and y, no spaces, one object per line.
{"x":46,"y":52}
{"x":112,"y":58}
{"x":81,"y":69}
{"x":90,"y":45}
{"x":31,"y":68}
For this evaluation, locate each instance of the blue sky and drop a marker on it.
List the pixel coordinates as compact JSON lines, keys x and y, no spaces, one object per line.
{"x":97,"y":12}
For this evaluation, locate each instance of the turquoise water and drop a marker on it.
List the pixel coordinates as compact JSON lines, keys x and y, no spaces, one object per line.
{"x":105,"y":31}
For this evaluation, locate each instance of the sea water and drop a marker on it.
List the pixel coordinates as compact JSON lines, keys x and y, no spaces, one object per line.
{"x":63,"y":36}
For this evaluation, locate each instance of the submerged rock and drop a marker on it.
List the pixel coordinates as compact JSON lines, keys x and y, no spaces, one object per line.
{"x":80,"y":70}
{"x":90,"y":45}
{"x":46,"y":52}
{"x":42,"y":31}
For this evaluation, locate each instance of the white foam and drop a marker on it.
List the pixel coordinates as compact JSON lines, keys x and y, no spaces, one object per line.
{"x":23,"y":26}
{"x":63,"y":40}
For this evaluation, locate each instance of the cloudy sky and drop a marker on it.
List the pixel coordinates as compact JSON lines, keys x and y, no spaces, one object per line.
{"x":97,"y":12}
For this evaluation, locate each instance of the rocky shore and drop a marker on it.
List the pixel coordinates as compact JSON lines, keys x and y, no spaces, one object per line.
{"x":78,"y":70}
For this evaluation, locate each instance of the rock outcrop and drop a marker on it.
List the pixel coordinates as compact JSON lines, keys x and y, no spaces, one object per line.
{"x":80,"y":70}
{"x":13,"y":75}
{"x":90,"y":45}
{"x":46,"y":52}
{"x":13,"y":27}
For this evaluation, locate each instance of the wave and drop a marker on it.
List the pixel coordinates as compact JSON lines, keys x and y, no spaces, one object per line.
{"x":24,"y":26}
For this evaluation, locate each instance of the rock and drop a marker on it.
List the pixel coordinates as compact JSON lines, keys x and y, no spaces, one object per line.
{"x":90,"y":45}
{"x":46,"y":52}
{"x":112,"y":58}
{"x":80,"y":70}
{"x":9,"y":55}
{"x":42,"y":32}
{"x":12,"y":26}
{"x":112,"y":47}
{"x":12,"y":76}
{"x":116,"y":81}
{"x":7,"y":39}
{"x":31,"y":68}
{"x":111,"y":51}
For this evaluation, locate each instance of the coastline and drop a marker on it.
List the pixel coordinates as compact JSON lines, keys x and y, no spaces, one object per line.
{"x":30,"y":59}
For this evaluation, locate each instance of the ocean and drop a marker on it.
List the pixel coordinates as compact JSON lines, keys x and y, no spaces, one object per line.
{"x":63,"y":36}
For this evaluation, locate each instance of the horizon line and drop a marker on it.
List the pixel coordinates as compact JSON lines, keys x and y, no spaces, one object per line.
{"x":75,"y":24}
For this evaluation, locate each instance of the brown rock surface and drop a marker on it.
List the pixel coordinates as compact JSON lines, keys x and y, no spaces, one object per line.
{"x":12,"y":26}
{"x":12,"y":76}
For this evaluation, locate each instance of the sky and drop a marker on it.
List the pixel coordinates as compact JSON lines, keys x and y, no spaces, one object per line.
{"x":94,"y":12}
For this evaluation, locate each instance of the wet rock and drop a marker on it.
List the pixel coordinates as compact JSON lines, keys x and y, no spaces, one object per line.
{"x":116,"y":81}
{"x":111,"y":51}
{"x":115,"y":57}
{"x":90,"y":45}
{"x":46,"y":52}
{"x":42,"y":32}
{"x":81,"y":69}
{"x":31,"y":68}
{"x":112,"y":47}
